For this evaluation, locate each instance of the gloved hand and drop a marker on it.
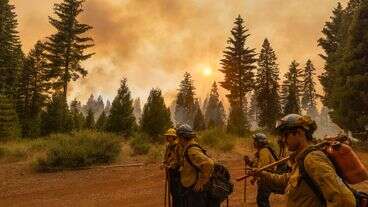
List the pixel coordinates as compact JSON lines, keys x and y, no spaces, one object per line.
{"x":247,"y":159}
{"x":253,"y":172}
{"x":198,"y":187}
{"x":253,"y":181}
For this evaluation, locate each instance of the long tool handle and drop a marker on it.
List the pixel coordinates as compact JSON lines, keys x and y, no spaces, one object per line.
{"x":169,"y":187}
{"x":270,"y":166}
{"x":245,"y":185}
{"x":266,"y":167}
{"x":165,"y":199}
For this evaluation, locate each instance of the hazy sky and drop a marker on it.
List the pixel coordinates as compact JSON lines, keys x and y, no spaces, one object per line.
{"x":153,"y":42}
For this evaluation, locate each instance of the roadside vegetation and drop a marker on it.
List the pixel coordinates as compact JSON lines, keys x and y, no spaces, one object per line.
{"x":63,"y":151}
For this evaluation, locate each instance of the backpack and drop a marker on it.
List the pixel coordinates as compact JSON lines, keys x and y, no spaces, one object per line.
{"x":360,"y":197}
{"x":219,"y":187}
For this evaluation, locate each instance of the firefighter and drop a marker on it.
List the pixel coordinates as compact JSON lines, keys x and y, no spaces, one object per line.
{"x":264,"y":155}
{"x":313,"y":180}
{"x":196,"y":170}
{"x":171,"y":163}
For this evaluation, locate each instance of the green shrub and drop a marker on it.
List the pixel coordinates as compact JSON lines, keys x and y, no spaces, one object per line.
{"x":13,"y":153}
{"x":211,"y":137}
{"x":18,"y":153}
{"x":80,"y":150}
{"x":218,"y":139}
{"x":39,"y":144}
{"x":140,"y":144}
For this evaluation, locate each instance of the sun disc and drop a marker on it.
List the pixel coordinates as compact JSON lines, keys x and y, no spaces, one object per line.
{"x":207,"y":71}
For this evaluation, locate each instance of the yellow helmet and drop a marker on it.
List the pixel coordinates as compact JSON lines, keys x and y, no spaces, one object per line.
{"x":171,"y":132}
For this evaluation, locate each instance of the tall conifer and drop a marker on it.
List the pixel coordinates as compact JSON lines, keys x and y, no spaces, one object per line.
{"x":121,"y":119}
{"x":267,"y":87}
{"x":156,"y":116}
{"x":238,"y":67}
{"x":308,"y":102}
{"x":185,"y":109}
{"x":292,"y":84}
{"x":66,"y":48}
{"x":214,"y":110}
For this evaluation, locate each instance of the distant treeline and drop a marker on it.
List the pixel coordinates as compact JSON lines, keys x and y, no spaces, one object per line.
{"x":34,"y":87}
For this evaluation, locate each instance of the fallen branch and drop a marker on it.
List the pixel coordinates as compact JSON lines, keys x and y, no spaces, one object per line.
{"x":96,"y":167}
{"x":118,"y":166}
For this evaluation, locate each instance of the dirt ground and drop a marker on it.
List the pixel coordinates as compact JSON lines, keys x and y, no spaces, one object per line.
{"x":129,"y":187}
{"x":113,"y":187}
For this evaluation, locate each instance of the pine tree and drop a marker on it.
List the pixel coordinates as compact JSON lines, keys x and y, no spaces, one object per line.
{"x":76,"y":114}
{"x":184,"y":110}
{"x":350,"y":95}
{"x":90,"y":120}
{"x":56,"y":118}
{"x":10,"y":49}
{"x":205,"y":102}
{"x":292,"y":84}
{"x":345,"y":67}
{"x":156,"y":116}
{"x":214,"y":110}
{"x":66,"y":49}
{"x":32,"y":91}
{"x":121,"y":119}
{"x":137,"y":109}
{"x":253,"y":113}
{"x":351,"y":8}
{"x":331,"y":43}
{"x":237,"y":116}
{"x":332,"y":32}
{"x":284,"y":93}
{"x":107,"y":107}
{"x":100,"y":106}
{"x":238,"y":66}
{"x":267,"y":87}
{"x":308,"y":102}
{"x":101,"y":122}
{"x":91,"y":103}
{"x":199,"y":122}
{"x":9,"y":125}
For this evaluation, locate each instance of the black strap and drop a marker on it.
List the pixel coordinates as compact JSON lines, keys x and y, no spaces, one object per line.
{"x":304,"y":175}
{"x":186,"y":155}
{"x":272,"y":153}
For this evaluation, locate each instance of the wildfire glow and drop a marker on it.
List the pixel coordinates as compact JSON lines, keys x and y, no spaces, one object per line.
{"x":207,"y":71}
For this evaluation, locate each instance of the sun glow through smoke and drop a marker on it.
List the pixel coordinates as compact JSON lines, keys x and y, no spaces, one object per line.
{"x":207,"y":71}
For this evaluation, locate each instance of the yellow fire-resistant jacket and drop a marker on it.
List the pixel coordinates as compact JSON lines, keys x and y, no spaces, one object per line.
{"x":188,"y":174}
{"x":322,"y":172}
{"x":172,"y":157}
{"x":264,"y":158}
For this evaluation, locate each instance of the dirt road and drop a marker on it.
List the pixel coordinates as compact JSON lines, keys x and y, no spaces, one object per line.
{"x":123,"y":187}
{"x":128,"y":187}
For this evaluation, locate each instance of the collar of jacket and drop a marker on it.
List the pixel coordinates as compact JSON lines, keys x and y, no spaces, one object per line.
{"x":298,"y":154}
{"x":190,"y":143}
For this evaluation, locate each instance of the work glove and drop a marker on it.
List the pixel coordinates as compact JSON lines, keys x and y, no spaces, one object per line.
{"x":253,"y":181}
{"x":199,"y":186}
{"x":247,"y":159}
{"x":253,"y":172}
